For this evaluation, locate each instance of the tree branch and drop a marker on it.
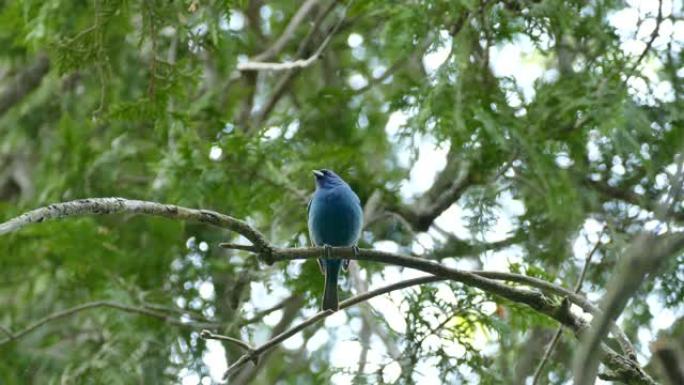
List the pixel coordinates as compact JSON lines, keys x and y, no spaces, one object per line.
{"x":322,"y":315}
{"x":207,"y":335}
{"x":486,"y":281}
{"x":646,"y":254}
{"x":100,"y":206}
{"x":106,"y":304}
{"x":290,"y":312}
{"x":258,"y":316}
{"x":629,"y":197}
{"x":287,"y":34}
{"x":296,"y":64}
{"x":449,"y":185}
{"x":559,"y":331}
{"x":649,"y":45}
{"x":281,"y":85}
{"x":394,"y":67}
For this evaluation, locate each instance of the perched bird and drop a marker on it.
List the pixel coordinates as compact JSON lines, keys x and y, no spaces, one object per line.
{"x":335,"y":219}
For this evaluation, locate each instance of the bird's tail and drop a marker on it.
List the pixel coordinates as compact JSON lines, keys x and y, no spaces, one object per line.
{"x":332,"y":271}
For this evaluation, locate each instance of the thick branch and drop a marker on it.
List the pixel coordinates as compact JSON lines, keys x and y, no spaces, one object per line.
{"x":482,"y":279}
{"x":669,"y":361}
{"x":645,"y":256}
{"x":101,"y":206}
{"x":626,"y":369}
{"x":449,"y":185}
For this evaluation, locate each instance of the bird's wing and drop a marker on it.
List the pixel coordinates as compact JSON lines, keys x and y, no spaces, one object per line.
{"x":356,"y":198}
{"x":319,"y":260}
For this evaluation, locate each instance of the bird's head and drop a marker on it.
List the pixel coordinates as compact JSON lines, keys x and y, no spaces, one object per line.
{"x":326,"y":178}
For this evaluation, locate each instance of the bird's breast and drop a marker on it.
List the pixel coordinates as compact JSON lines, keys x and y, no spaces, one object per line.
{"x":335,"y":217}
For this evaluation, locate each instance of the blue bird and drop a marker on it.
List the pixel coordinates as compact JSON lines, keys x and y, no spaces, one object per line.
{"x":335,"y":219}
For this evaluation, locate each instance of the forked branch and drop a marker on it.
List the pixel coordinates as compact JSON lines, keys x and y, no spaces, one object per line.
{"x":486,"y":281}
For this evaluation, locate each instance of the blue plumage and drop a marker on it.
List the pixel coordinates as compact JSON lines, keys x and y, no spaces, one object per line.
{"x":335,"y":219}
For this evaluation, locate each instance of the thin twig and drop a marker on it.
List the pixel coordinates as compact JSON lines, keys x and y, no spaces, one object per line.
{"x":7,"y":332}
{"x":236,"y":246}
{"x":649,"y":44}
{"x":322,"y":315}
{"x":296,"y":64}
{"x":366,"y":311}
{"x":106,"y":304}
{"x":183,"y":312}
{"x":416,"y":52}
{"x":287,"y":34}
{"x":547,"y":355}
{"x":290,"y":312}
{"x":587,"y":261}
{"x":285,"y":79}
{"x":361,"y":286}
{"x":207,"y":335}
{"x":285,"y":66}
{"x":261,"y":314}
{"x":578,"y":288}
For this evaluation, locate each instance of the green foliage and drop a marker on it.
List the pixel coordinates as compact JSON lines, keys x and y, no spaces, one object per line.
{"x":143,"y":99}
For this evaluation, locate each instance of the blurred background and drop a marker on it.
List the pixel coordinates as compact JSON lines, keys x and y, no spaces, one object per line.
{"x":502,"y":135}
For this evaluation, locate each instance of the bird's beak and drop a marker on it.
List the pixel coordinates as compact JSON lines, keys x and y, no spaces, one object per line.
{"x":318,"y":174}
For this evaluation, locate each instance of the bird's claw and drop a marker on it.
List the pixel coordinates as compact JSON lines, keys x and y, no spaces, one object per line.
{"x":345,"y":262}
{"x":327,"y":251}
{"x":266,"y":254}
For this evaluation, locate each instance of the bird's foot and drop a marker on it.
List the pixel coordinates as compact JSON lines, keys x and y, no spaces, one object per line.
{"x":346,"y":262}
{"x":356,"y":251}
{"x":266,"y":254}
{"x":327,"y":251}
